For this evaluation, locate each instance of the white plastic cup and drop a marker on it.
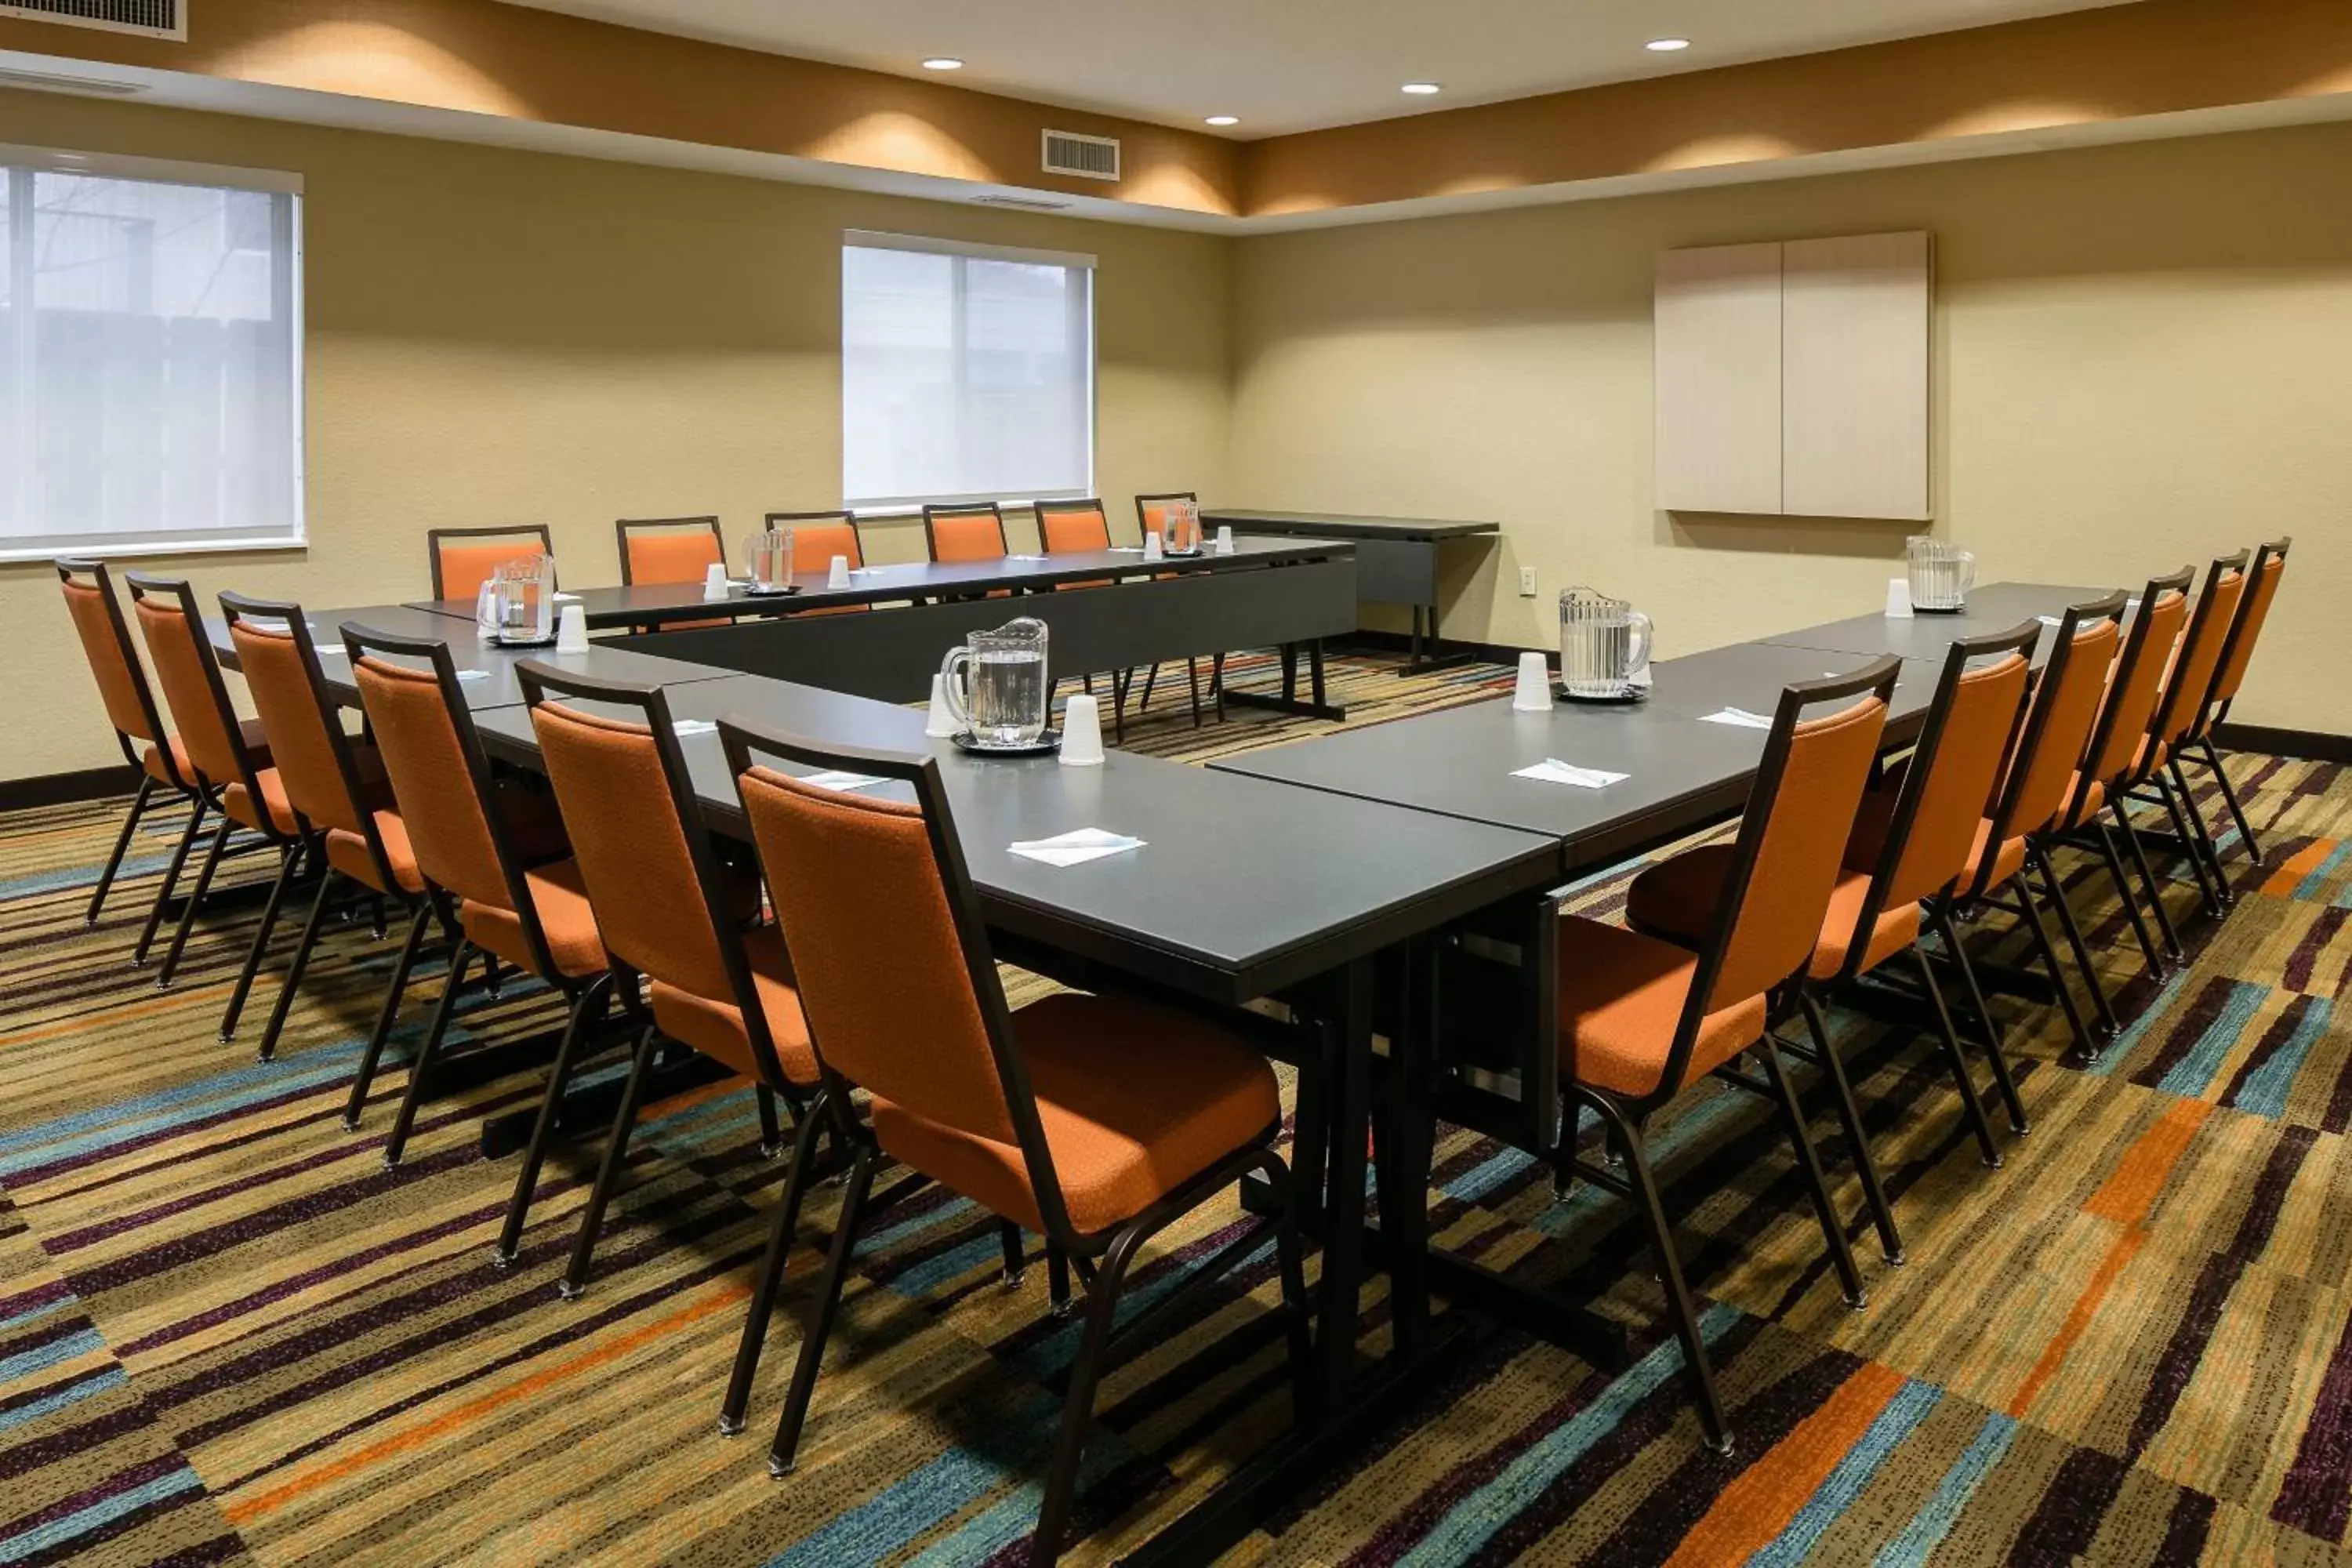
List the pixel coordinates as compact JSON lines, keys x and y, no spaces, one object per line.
{"x":1898,"y":598}
{"x":942,"y":723}
{"x":714,"y":582}
{"x":1152,"y":546}
{"x":572,"y":630}
{"x":837,"y":573}
{"x":1533,"y":692}
{"x":1082,"y":742}
{"x":1224,"y":539}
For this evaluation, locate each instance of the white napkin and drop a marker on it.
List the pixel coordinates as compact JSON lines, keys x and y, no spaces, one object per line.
{"x":1075,"y":847}
{"x":836,"y":779}
{"x":695,"y":726}
{"x":1551,"y":770}
{"x":333,"y":650}
{"x":1127,"y":550}
{"x":1027,"y":558}
{"x":472,"y":675}
{"x":2050,"y":620}
{"x":567,"y":598}
{"x":1740,"y":717}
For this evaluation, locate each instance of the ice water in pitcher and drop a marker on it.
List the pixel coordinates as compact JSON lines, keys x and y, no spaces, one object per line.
{"x":997,"y":686}
{"x":1604,"y":645}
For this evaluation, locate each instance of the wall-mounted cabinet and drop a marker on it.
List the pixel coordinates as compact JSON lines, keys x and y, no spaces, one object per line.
{"x":1793,"y":378}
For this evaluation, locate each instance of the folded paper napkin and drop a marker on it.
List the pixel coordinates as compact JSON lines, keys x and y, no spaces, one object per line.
{"x":1027,"y":558}
{"x":567,"y":598}
{"x":472,"y":675}
{"x":836,"y":779}
{"x":1127,"y":550}
{"x":695,"y":726}
{"x":1075,"y":847}
{"x":1551,"y":770}
{"x":1740,"y":717}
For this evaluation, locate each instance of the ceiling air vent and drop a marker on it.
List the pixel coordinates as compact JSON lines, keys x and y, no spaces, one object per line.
{"x":154,"y":18}
{"x":1089,"y":157}
{"x":1027,"y":204}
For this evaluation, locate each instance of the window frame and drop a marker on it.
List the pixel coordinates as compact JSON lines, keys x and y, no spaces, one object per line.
{"x":933,"y":244}
{"x":204,"y":176}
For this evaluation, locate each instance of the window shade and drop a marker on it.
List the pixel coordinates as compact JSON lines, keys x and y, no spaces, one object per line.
{"x":149,"y":363}
{"x":967,"y":374}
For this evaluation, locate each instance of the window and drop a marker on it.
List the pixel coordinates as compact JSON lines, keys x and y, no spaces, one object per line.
{"x":967,"y":372}
{"x":150,"y":356}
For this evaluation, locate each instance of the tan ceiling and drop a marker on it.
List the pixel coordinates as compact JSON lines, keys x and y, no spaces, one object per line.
{"x":1285,"y":66}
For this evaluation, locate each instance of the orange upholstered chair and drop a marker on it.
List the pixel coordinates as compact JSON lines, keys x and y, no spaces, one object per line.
{"x":1894,"y":879}
{"x":2179,"y":713}
{"x":817,"y":538}
{"x":213,"y":747}
{"x":519,"y":898}
{"x":1095,"y":1120}
{"x":2103,"y":774}
{"x":2253,"y":610}
{"x":1150,"y":517}
{"x":671,"y":549}
{"x":337,"y":786}
{"x":464,"y":558}
{"x":1642,"y":1019}
{"x":147,"y":745}
{"x":965,"y":532}
{"x":667,"y":909}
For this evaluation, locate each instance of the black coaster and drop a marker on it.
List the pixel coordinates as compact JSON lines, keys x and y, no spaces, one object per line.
{"x":1044,"y":745}
{"x":1635,"y":697}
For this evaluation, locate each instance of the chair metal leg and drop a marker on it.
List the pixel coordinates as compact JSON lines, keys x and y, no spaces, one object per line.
{"x":1119,"y":682}
{"x":1008,"y":1237}
{"x":427,"y":1053}
{"x":608,"y":1175}
{"x":196,"y":900}
{"x":1057,"y":1279}
{"x":1150,"y":679}
{"x":171,"y":879}
{"x":2112,"y":853}
{"x":290,"y":855}
{"x":2200,"y":838}
{"x":2067,"y":923}
{"x":1217,"y":684}
{"x":2049,"y":952}
{"x":295,"y":969}
{"x":587,"y":1013}
{"x":1670,"y":1273}
{"x":773,"y":1263}
{"x":822,"y":1308}
{"x":2181,"y":830}
{"x":386,"y":1016}
{"x":1192,"y":678}
{"x":1809,"y":1163}
{"x":1882,"y":1213}
{"x":2230,"y":799}
{"x":1995,"y":1052}
{"x":1079,"y":1402}
{"x":1296,"y":1304}
{"x":2164,"y":925}
{"x":121,"y":847}
{"x":772,"y":1130}
{"x":1971,"y":1107}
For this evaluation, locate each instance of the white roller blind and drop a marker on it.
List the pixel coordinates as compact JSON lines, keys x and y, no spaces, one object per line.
{"x":967,"y":374}
{"x":150,"y":360}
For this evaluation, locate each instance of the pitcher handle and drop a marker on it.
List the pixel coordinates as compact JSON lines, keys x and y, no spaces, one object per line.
{"x":1968,"y":570}
{"x":1643,"y":632}
{"x":951,"y":685}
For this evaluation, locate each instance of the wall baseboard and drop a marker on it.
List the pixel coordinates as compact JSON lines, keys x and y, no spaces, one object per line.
{"x":2308,"y":745}
{"x":64,"y":789}
{"x":1398,"y":642}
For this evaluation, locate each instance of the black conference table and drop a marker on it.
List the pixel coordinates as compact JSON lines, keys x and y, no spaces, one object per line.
{"x":1396,"y":561}
{"x":1243,"y":889}
{"x":1993,"y":607}
{"x":485,"y":670}
{"x":1285,"y":594}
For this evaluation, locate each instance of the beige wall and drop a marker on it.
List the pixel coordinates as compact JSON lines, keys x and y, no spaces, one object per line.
{"x":2143,"y":355}
{"x":499,"y":336}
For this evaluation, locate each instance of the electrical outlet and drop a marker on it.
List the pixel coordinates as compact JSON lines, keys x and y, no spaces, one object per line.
{"x":1526,"y":581}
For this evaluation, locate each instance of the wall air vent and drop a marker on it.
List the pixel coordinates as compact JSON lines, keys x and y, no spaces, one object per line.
{"x":1027,"y":204}
{"x":153,"y":18}
{"x":1089,"y":157}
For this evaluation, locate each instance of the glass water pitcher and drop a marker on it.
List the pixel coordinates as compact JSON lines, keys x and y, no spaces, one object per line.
{"x":523,"y":597}
{"x":1604,"y":645}
{"x":997,"y":687}
{"x":769,"y":558}
{"x":1941,"y":575}
{"x":1179,"y":528}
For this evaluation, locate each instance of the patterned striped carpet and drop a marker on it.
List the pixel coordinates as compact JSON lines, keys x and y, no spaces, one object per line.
{"x":227,"y":1334}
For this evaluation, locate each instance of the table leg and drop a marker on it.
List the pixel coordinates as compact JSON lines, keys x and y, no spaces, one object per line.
{"x":1340,"y":1292}
{"x":1427,"y":652}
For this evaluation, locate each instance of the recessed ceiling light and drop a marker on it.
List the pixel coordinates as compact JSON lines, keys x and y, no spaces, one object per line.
{"x":1222,"y":120}
{"x":943,"y":63}
{"x":1666,"y":46}
{"x":1421,"y":88}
